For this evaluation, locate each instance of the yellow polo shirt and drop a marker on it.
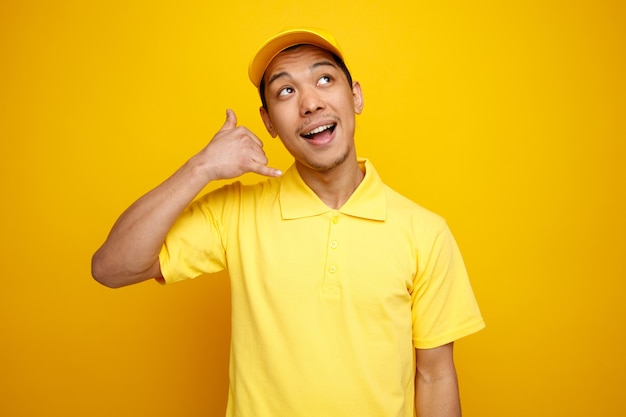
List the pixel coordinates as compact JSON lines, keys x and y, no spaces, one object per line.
{"x":327,"y":305}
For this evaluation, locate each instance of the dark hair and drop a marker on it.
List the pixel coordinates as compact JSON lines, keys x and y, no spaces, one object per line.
{"x":342,"y":66}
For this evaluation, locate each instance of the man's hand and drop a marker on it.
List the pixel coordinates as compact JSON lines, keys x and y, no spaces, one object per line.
{"x":234,"y":151}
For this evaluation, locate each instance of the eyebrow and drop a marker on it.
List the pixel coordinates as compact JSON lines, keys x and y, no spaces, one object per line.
{"x":283,"y":74}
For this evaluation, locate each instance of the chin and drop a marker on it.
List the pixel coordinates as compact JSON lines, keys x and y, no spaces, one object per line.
{"x":326,"y":166}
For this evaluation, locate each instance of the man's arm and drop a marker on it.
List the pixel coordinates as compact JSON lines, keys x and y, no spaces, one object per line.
{"x":130,"y":253}
{"x":436,"y":385}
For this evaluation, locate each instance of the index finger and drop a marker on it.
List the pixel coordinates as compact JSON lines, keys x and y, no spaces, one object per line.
{"x":248,"y":133}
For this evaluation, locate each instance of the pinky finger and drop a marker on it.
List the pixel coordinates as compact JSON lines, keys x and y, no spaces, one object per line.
{"x":267,"y":171}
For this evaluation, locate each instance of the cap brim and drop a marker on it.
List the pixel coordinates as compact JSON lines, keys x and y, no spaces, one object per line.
{"x":278,"y":43}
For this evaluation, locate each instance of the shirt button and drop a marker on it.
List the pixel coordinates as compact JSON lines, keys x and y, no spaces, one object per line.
{"x":335,"y":219}
{"x":333,"y":244}
{"x":332,"y":269}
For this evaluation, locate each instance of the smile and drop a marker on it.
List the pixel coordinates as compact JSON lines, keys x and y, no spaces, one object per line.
{"x":318,"y":130}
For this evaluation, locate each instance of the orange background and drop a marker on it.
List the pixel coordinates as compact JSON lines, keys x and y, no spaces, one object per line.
{"x":505,"y":117}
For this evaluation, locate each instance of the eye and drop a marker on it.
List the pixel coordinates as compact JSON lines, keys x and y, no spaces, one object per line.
{"x":285,"y":91}
{"x":326,"y":79}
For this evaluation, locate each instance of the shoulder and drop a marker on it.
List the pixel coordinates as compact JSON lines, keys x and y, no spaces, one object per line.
{"x":239,"y":189}
{"x":238,"y":197}
{"x":401,"y":210}
{"x":404,"y":208}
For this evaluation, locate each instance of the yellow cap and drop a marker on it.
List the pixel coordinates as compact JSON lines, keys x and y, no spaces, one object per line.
{"x":283,"y":40}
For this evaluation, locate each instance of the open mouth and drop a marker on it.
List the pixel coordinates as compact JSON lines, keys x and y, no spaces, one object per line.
{"x":319,"y":131}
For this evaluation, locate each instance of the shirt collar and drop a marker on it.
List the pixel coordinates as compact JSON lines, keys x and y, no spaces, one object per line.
{"x":368,"y":201}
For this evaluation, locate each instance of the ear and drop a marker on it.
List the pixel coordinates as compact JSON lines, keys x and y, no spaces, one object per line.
{"x":357,"y":94}
{"x":267,"y":122}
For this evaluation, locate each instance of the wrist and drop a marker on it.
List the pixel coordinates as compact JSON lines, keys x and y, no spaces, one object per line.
{"x":201,"y":170}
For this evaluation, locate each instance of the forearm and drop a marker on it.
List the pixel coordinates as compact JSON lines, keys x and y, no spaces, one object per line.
{"x":130,"y":252}
{"x":437,"y":397}
{"x":436,"y":384}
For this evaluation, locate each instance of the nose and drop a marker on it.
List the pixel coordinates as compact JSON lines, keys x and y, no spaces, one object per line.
{"x":310,"y":101}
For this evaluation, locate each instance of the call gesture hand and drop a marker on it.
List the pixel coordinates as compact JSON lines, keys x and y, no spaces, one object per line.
{"x":234,"y":151}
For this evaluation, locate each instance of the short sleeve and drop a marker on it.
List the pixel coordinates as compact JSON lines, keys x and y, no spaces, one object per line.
{"x":444,"y":307}
{"x":193,"y":246}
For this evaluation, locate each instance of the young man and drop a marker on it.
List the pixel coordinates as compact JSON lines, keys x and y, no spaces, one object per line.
{"x":346,"y":296}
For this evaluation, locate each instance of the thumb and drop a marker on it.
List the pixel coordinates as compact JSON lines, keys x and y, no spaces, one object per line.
{"x":231,"y":120}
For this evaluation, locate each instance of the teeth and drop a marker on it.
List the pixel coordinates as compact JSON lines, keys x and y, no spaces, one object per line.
{"x":318,"y":130}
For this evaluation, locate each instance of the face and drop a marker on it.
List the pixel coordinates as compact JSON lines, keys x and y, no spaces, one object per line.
{"x":312,"y":108}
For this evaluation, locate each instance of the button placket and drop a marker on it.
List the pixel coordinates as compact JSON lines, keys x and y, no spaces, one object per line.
{"x":331,"y":275}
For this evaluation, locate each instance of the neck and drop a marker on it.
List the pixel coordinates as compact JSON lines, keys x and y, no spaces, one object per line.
{"x":335,"y":186}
